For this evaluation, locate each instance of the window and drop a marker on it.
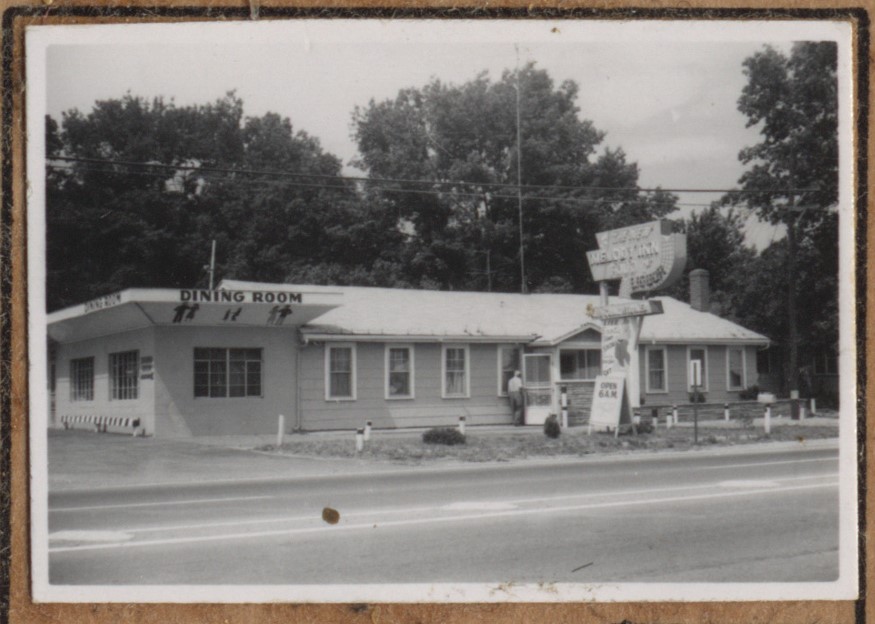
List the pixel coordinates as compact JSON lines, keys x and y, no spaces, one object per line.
{"x":124,"y":371}
{"x":657,"y":380}
{"x":340,"y":367}
{"x":82,"y":379}
{"x":399,"y":372}
{"x":221,"y":373}
{"x":455,"y":365}
{"x":700,"y":354}
{"x":579,"y":364}
{"x":508,"y":364}
{"x":826,"y":363}
{"x":735,"y":369}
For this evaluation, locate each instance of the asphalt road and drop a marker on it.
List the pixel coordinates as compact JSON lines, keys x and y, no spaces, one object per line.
{"x":750,"y":517}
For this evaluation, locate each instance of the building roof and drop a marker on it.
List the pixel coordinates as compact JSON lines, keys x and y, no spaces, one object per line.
{"x":547,"y":319}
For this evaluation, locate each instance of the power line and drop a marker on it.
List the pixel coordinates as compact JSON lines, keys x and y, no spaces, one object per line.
{"x":199,"y":168}
{"x":455,"y":193}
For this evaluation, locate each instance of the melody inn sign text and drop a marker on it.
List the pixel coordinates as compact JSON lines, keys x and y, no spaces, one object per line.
{"x":643,"y":257}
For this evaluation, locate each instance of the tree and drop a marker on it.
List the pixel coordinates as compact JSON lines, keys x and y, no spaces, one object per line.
{"x":792,"y":175}
{"x":151,"y":184}
{"x":715,"y":241}
{"x":452,"y":150}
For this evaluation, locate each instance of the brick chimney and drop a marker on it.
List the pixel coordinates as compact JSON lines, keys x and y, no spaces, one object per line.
{"x":700,"y":290}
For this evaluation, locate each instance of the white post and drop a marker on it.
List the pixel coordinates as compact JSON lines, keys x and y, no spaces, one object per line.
{"x":813,"y":406}
{"x":767,"y":420}
{"x":280,"y":430}
{"x":462,"y":425}
{"x":674,"y":413}
{"x":726,"y":412}
{"x":563,"y":398}
{"x":802,"y":411}
{"x":359,"y":440}
{"x":368,"y":425}
{"x":668,"y":419}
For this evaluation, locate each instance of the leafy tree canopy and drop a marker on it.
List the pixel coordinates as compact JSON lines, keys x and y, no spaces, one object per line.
{"x":466,"y":236}
{"x":113,"y":224}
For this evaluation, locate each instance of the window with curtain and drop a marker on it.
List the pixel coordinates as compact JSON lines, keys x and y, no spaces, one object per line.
{"x":455,"y":372}
{"x":399,"y":369}
{"x":735,"y":368}
{"x":656,"y":376}
{"x":341,"y":372}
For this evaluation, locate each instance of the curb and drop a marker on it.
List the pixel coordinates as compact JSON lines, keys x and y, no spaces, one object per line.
{"x":361,"y":466}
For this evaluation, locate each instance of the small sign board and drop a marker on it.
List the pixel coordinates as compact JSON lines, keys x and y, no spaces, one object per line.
{"x":627,"y":309}
{"x":695,"y":373}
{"x":610,"y":406}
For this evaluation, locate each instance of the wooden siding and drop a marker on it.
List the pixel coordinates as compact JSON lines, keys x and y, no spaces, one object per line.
{"x":483,"y":406}
{"x":101,"y":405}
{"x":676,"y":372}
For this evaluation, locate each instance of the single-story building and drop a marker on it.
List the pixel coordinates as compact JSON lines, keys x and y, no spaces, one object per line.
{"x":231,"y":360}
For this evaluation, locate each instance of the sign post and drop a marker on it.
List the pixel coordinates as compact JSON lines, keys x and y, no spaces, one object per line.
{"x":695,"y":382}
{"x":644,"y":258}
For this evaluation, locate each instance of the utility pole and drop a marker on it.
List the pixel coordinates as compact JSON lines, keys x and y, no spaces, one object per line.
{"x":792,"y":375}
{"x":212,"y":264}
{"x":519,"y":176}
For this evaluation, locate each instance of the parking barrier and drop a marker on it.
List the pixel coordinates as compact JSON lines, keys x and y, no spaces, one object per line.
{"x":100,"y":422}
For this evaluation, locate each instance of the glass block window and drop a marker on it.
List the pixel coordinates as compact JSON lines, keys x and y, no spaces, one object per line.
{"x":124,"y":374}
{"x":82,"y":379}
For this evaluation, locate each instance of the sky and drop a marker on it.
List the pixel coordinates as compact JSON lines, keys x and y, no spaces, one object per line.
{"x":665,"y":93}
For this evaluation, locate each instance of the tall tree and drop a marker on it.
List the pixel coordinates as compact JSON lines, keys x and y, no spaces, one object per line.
{"x":792,"y":175}
{"x":467,"y":235}
{"x":715,"y":241}
{"x":151,"y":184}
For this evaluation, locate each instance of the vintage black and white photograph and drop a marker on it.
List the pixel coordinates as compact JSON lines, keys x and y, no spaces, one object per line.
{"x":442,"y":310}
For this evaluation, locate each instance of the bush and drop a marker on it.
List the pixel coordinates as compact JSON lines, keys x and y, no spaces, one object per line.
{"x":443,"y":435}
{"x":749,"y":394}
{"x":551,"y":427}
{"x":697,"y":397}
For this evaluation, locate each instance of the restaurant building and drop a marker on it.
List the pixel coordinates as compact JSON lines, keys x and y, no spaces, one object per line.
{"x":176,"y":363}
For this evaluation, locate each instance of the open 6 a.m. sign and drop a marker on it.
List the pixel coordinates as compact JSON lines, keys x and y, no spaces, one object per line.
{"x":609,"y":404}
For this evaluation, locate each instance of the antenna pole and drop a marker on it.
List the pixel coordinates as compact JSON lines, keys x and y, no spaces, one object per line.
{"x":519,"y":177}
{"x":212,"y":264}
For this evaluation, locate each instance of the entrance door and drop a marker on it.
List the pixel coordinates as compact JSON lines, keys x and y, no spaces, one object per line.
{"x":539,"y":387}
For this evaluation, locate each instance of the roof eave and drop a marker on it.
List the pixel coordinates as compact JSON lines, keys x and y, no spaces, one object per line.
{"x":310,"y":336}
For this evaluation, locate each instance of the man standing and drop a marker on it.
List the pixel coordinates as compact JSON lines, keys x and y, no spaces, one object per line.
{"x":515,"y":392}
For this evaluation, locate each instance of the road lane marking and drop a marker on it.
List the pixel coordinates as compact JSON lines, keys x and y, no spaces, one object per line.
{"x":159,"y":503}
{"x":430,"y":508}
{"x":90,"y":536}
{"x":438,"y":520}
{"x":750,"y":483}
{"x":478,"y":506}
